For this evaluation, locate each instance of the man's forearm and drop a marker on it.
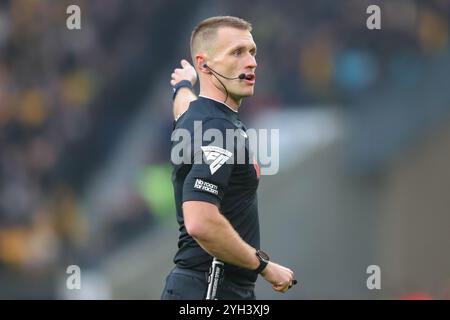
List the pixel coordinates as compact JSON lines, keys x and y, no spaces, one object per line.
{"x":182,"y":100}
{"x":218,"y":237}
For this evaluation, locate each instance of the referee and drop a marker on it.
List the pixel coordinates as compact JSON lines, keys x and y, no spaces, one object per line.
{"x":215,"y":193}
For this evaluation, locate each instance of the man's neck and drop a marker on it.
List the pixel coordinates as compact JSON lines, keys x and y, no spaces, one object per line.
{"x":220,"y":97}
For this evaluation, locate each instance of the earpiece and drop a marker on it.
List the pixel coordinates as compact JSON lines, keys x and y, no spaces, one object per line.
{"x":206,"y":67}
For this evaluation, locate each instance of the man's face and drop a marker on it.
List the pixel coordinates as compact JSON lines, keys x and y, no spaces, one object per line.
{"x":234,"y":53}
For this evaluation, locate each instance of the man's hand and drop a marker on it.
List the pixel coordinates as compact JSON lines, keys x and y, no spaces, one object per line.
{"x":184,"y":96}
{"x":280,"y":277}
{"x":186,"y":72}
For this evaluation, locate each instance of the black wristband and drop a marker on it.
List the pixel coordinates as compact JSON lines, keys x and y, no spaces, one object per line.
{"x":179,"y":85}
{"x":263,"y":261}
{"x":261,"y":267}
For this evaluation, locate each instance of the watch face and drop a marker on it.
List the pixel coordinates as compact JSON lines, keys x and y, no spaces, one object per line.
{"x":263,"y":255}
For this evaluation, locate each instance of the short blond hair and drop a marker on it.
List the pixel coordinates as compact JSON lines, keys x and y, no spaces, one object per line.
{"x":206,"y":30}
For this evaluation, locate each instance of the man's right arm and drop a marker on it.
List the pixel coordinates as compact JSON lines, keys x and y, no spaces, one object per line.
{"x":214,"y":233}
{"x":184,"y":95}
{"x":210,"y":228}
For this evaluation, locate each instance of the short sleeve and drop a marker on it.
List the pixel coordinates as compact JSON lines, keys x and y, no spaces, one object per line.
{"x":213,"y":162}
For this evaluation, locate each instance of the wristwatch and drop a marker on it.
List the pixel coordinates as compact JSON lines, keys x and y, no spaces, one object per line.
{"x":179,"y":85}
{"x":263,"y":261}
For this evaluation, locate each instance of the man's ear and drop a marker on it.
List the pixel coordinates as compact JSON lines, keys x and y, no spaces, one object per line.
{"x":201,"y":64}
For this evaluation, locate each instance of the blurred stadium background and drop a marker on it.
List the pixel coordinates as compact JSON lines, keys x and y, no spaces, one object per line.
{"x":364,"y":120}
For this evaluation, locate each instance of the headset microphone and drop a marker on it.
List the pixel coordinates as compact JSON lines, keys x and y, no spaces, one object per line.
{"x":240,"y":77}
{"x":213,"y":72}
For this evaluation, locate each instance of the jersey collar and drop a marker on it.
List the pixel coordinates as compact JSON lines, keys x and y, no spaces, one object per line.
{"x":222,"y":103}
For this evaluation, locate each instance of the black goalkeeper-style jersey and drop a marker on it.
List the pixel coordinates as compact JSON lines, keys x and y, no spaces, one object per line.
{"x":221,"y":171}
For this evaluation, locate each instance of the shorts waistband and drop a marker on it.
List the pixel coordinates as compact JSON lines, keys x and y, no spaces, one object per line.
{"x":228,"y":277}
{"x":189,"y":272}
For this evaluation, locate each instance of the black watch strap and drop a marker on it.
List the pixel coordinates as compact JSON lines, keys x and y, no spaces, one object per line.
{"x":263,"y":261}
{"x":262,"y":266}
{"x":179,"y":85}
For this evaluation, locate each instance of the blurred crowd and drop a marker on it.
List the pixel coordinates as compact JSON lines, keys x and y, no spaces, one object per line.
{"x":64,"y":97}
{"x":55,"y":86}
{"x":321,"y":52}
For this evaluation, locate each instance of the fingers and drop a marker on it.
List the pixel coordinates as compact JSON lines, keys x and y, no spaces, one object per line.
{"x":284,"y":286}
{"x":281,"y":287}
{"x":176,"y":77}
{"x":184,"y":63}
{"x":185,"y":72}
{"x":179,"y":74}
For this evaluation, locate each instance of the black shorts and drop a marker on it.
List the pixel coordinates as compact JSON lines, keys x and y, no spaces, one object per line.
{"x":184,"y":284}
